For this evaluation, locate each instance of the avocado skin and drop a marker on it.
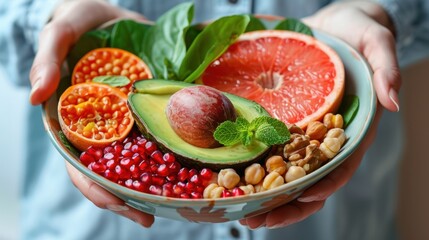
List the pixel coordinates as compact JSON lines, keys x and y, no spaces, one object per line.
{"x":152,"y":123}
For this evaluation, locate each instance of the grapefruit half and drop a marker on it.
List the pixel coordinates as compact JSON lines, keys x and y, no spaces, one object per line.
{"x":295,"y":77}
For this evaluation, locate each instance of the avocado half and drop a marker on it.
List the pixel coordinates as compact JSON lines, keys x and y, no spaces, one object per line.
{"x":148,"y":102}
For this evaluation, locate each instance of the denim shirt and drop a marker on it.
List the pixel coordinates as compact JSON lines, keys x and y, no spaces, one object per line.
{"x":53,"y":209}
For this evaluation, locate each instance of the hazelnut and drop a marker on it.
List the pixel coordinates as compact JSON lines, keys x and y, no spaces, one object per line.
{"x":316,"y":130}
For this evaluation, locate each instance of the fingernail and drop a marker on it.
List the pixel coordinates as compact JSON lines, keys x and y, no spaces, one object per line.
{"x":117,"y":208}
{"x":393,"y":95}
{"x":35,"y":87}
{"x":307,"y":199}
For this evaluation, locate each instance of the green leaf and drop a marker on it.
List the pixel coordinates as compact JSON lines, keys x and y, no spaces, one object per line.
{"x":67,"y":144}
{"x":295,"y":25}
{"x":210,"y":44}
{"x":281,"y":129}
{"x":267,"y":134}
{"x":165,"y":41}
{"x":242,"y":124}
{"x":191,"y":34}
{"x":246,"y":138}
{"x":255,"y":24}
{"x":349,"y":108}
{"x":114,"y":81}
{"x":129,"y":35}
{"x":227,"y":133}
{"x":87,"y":42}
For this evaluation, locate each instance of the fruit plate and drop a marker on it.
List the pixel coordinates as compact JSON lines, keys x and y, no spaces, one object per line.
{"x":358,"y":82}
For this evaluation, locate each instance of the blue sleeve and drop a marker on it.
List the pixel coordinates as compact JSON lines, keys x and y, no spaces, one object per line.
{"x":21,"y":22}
{"x":403,"y":14}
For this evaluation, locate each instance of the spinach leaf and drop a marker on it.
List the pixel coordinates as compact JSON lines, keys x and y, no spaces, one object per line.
{"x":128,"y":35}
{"x":164,"y":44}
{"x":255,"y":24}
{"x":295,"y":25}
{"x":349,"y":108}
{"x":87,"y":42}
{"x":210,"y":44}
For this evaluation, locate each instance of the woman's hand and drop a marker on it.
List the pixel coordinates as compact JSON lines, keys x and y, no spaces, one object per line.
{"x":366,"y":27}
{"x":69,"y":22}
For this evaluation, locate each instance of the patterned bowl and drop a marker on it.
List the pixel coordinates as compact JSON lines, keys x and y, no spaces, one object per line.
{"x":358,"y":82}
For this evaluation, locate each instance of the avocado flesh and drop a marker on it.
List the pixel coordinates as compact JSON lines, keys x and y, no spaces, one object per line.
{"x":148,"y":103}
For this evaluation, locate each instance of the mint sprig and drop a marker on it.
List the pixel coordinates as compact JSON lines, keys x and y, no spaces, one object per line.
{"x":267,"y":130}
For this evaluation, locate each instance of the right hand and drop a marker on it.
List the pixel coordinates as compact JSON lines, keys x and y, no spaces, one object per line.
{"x":70,"y":20}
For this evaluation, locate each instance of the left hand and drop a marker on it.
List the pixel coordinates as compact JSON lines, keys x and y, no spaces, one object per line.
{"x":367,"y":28}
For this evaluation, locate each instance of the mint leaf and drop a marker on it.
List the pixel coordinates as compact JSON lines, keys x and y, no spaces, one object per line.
{"x":227,"y":133}
{"x":242,"y":124}
{"x":114,"y":81}
{"x":295,"y":25}
{"x":266,"y":129}
{"x":349,"y":108}
{"x":267,"y":134}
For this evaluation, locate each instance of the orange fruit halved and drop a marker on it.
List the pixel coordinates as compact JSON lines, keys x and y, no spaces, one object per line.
{"x":110,"y":61}
{"x":295,"y":77}
{"x":94,"y":114}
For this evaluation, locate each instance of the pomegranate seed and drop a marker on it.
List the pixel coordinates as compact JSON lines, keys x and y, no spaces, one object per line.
{"x":129,"y":183}
{"x":108,"y":149}
{"x":157,"y":180}
{"x":190,"y":187}
{"x":123,"y":173}
{"x":127,"y":140}
{"x":141,"y":142}
{"x":179,"y":188}
{"x":135,"y":173}
{"x":192,"y":172}
{"x":109,"y":155}
{"x":155,"y":190}
{"x":196,"y":195}
{"x":237,"y":192}
{"x":95,"y":152}
{"x":199,"y":189}
{"x":126,"y":163}
{"x":111,"y":175}
{"x":127,"y":153}
{"x":150,"y":147}
{"x":86,"y":158}
{"x":169,"y":158}
{"x":171,"y":178}
{"x":137,"y":185}
{"x":154,"y":168}
{"x":120,"y":182}
{"x":163,"y":170}
{"x":195,"y":179}
{"x":226,"y":193}
{"x":167,"y":189}
{"x":118,"y":148}
{"x":206,"y":174}
{"x":185,"y":195}
{"x":174,"y":167}
{"x":157,"y":156}
{"x":97,"y":167}
{"x":146,"y":178}
{"x":136,"y":158}
{"x":135,"y":148}
{"x":144,"y":165}
{"x":127,"y":145}
{"x":103,"y":161}
{"x":111,"y":164}
{"x":183,"y":174}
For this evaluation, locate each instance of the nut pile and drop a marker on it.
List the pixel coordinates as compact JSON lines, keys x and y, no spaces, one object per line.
{"x":303,"y":153}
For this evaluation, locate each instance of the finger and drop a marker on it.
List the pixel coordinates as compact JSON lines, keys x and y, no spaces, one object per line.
{"x":256,"y":221}
{"x":378,"y":47}
{"x":292,"y":213}
{"x":105,"y":200}
{"x":342,"y":174}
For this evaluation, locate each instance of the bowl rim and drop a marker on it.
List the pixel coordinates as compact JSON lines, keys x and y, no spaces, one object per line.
{"x":115,"y":188}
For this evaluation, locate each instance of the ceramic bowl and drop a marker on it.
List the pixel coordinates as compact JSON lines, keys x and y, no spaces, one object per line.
{"x":358,"y":82}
